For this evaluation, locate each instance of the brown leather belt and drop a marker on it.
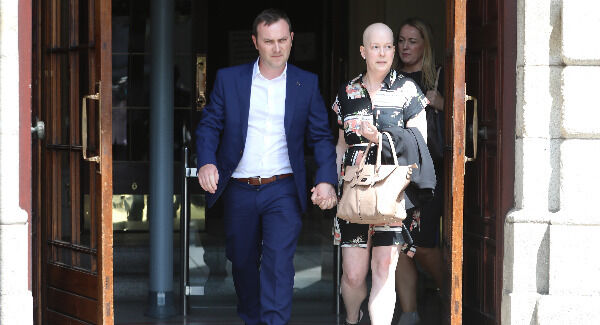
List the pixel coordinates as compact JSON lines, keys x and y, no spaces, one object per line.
{"x":262,"y":180}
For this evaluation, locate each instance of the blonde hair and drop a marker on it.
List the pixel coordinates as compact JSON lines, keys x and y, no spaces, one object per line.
{"x":428,"y":67}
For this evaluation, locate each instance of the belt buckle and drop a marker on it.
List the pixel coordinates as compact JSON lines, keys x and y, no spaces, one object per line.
{"x":256,"y":177}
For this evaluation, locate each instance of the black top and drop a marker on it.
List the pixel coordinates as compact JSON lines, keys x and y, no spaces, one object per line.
{"x":435,"y":133}
{"x":418,"y":78}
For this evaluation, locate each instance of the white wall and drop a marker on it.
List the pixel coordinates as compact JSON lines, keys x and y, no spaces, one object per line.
{"x":551,"y":262}
{"x":15,"y":298}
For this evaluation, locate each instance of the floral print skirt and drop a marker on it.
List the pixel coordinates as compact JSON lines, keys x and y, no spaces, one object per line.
{"x":349,"y":234}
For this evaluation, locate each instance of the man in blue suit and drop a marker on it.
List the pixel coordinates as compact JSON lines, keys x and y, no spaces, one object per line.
{"x":250,"y":144}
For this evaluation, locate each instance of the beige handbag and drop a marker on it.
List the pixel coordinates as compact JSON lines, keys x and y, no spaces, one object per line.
{"x":374,"y":194}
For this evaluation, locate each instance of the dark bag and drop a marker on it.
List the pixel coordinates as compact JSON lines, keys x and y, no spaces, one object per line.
{"x":435,"y":138}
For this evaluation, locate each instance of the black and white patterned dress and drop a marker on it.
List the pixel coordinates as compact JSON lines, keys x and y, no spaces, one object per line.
{"x":398,"y":100}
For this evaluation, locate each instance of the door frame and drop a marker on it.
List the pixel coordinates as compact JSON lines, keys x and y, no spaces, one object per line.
{"x":103,"y":14}
{"x":454,"y":161}
{"x":507,"y":49}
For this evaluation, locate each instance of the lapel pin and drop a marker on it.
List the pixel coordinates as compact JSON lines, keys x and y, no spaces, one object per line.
{"x":298,"y":83}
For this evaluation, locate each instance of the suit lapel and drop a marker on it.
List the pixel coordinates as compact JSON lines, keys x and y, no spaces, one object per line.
{"x":244,"y":85}
{"x":292,"y":87}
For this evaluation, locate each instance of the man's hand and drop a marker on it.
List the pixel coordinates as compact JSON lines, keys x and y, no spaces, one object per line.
{"x":208,"y":177}
{"x":324,"y":196}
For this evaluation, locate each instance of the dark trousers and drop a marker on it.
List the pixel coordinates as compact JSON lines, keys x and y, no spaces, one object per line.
{"x":262,"y":224}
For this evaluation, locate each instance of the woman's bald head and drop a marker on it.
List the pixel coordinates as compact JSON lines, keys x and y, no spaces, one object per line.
{"x":379,"y":30}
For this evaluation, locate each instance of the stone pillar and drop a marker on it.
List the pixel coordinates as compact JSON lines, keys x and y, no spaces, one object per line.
{"x":551,"y":264}
{"x":16,"y":303}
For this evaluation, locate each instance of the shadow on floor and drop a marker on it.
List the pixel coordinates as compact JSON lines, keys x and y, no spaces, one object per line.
{"x":303,"y":313}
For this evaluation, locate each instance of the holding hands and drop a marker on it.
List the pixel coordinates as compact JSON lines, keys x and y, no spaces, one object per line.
{"x":324,"y":196}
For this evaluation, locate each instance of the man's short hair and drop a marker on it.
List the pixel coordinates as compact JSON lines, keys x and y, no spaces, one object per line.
{"x":268,"y":17}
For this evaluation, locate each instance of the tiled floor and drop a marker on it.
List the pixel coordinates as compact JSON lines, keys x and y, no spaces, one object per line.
{"x":313,"y":289}
{"x":131,"y":313}
{"x":313,"y":296}
{"x":313,"y":286}
{"x":305,"y":312}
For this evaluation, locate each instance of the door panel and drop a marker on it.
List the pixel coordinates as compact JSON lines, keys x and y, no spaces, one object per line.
{"x":480,"y":217}
{"x":490,"y":72}
{"x":75,"y":242}
{"x":78,"y":282}
{"x":62,"y":302}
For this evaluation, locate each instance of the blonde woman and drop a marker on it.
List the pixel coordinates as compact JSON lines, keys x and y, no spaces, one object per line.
{"x":417,"y":61}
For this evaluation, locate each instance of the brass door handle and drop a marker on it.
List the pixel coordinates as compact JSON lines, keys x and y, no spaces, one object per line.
{"x":84,"y":133}
{"x":475,"y":126}
{"x":200,"y":81}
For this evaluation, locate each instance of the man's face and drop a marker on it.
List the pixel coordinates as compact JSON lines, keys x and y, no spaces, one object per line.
{"x":274,"y":43}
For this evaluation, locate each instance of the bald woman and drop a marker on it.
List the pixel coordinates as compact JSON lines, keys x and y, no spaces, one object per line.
{"x":375,"y":100}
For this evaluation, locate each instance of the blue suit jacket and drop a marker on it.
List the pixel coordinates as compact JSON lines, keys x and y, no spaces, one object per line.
{"x":221,"y":133}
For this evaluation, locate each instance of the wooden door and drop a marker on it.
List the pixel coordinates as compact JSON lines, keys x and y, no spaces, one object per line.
{"x":73,"y":174}
{"x":489,"y":176}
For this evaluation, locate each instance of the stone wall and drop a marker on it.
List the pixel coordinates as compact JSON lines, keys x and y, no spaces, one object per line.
{"x":15,"y":295}
{"x":551,"y":262}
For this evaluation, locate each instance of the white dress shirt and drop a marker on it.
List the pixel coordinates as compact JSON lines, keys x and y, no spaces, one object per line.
{"x":265,"y":153}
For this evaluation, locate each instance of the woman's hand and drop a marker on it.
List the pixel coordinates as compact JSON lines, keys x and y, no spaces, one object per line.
{"x":436,"y":100}
{"x":369,"y":131}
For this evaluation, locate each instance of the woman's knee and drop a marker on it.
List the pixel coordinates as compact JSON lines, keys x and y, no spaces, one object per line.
{"x":354,"y":278}
{"x":380,"y":266}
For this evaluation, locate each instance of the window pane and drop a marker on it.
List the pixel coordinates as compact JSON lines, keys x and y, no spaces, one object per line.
{"x":86,"y":222}
{"x":65,"y":197}
{"x":70,"y":257}
{"x":64,"y":92}
{"x":130,"y":212}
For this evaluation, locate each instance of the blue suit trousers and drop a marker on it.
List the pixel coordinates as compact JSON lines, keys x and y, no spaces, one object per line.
{"x":262,"y":224}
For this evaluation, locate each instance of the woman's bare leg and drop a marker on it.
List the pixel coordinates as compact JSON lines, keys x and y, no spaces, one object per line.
{"x":383,"y":296}
{"x":430,"y":259}
{"x":355,"y":264}
{"x":406,"y":283}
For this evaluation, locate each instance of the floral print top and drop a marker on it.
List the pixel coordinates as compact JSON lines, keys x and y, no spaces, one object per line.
{"x":398,"y":100}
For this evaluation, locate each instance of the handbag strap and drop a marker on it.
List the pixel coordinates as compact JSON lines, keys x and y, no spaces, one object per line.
{"x":437,"y":78}
{"x":365,"y":155}
{"x":392,"y":148}
{"x":379,"y":146}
